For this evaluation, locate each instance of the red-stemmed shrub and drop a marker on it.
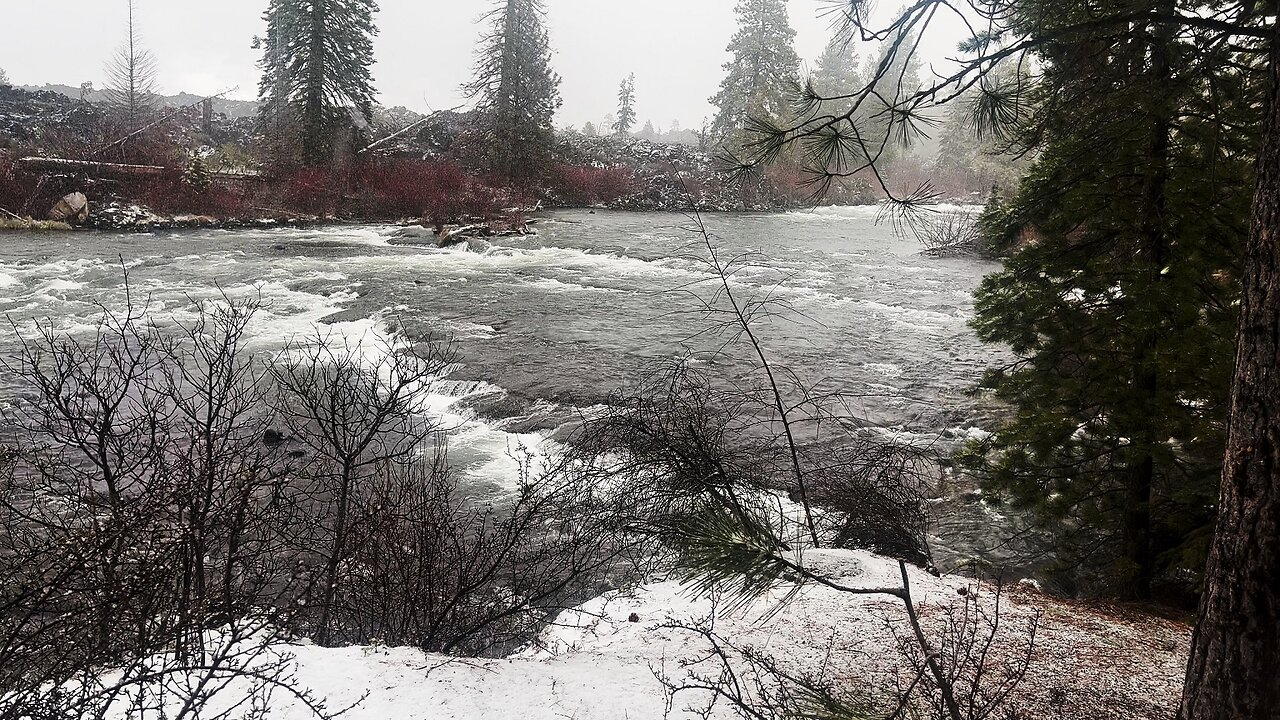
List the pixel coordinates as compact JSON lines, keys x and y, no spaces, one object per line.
{"x":311,"y":190}
{"x":171,"y":194}
{"x":437,"y":191}
{"x":584,"y":185}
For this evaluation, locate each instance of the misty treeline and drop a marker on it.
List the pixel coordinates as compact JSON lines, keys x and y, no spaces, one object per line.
{"x":322,"y":145}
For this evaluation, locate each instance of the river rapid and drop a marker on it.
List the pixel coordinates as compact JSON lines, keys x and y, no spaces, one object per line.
{"x":548,"y":324}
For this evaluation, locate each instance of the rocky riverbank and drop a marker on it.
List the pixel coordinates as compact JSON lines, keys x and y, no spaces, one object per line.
{"x":121,"y":217}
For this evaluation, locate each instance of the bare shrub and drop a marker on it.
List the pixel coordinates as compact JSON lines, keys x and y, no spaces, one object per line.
{"x":352,"y":418}
{"x":722,"y":448}
{"x":433,"y":570}
{"x":173,"y":507}
{"x":982,"y":659}
{"x":949,"y":233}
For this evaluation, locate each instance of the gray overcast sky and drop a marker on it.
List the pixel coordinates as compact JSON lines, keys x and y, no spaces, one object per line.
{"x":425,"y":49}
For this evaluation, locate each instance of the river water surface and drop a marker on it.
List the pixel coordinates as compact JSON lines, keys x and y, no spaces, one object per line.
{"x":549,"y":323}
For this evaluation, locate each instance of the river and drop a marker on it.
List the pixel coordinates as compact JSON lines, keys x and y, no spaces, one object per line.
{"x":548,"y":323}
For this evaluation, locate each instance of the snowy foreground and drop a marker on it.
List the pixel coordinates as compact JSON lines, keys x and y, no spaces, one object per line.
{"x":599,"y":662}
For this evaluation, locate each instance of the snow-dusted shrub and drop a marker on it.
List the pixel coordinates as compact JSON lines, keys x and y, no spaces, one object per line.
{"x":431,"y":568}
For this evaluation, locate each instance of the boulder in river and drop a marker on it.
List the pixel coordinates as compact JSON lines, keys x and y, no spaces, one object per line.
{"x":72,"y":209}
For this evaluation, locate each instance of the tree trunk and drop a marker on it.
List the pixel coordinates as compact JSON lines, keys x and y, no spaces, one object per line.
{"x":314,"y":127}
{"x":1140,"y":477}
{"x":1234,"y":671}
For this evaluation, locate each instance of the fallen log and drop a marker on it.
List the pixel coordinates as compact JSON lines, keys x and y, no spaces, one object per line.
{"x":99,"y":169}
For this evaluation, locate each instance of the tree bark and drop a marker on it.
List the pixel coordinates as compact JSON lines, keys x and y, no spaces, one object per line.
{"x":1141,"y":473}
{"x":1234,"y":670}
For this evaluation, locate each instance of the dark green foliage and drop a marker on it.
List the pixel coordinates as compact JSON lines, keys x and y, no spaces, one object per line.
{"x":1120,"y":298}
{"x":316,"y":82}
{"x":626,"y":106}
{"x":516,"y":91}
{"x":764,"y":72}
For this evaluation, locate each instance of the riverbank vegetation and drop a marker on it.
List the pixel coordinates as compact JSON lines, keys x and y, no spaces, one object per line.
{"x":175,"y":507}
{"x":317,"y":136}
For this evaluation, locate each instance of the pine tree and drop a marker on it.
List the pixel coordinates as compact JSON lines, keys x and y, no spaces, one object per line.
{"x":4,"y":78}
{"x":131,"y":77}
{"x":1122,"y":306}
{"x":590,"y":130}
{"x":837,"y":70}
{"x":626,"y":106}
{"x":316,"y":60}
{"x":517,"y":92}
{"x":764,"y":72}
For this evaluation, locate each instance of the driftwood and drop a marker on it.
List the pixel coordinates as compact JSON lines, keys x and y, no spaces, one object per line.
{"x":952,"y":233}
{"x":100,"y":169}
{"x":163,"y":119}
{"x":401,"y":131}
{"x":454,"y":235}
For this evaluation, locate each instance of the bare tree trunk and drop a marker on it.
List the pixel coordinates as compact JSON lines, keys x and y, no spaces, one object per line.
{"x":1234,"y":670}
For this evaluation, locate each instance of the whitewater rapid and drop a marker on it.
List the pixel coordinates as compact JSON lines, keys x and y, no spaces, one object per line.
{"x":547,"y":326}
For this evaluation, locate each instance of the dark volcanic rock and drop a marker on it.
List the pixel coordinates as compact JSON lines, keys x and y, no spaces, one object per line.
{"x":25,"y":115}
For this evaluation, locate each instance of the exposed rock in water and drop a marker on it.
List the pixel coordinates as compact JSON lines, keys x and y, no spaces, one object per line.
{"x":123,"y":217}
{"x":451,"y":235}
{"x":72,"y":209}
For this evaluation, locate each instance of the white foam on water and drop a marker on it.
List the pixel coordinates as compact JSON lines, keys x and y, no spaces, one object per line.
{"x":460,"y":261}
{"x":290,"y":317}
{"x":501,"y":456}
{"x":873,"y":212}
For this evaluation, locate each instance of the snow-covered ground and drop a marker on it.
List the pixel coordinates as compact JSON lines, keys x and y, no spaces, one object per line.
{"x":599,"y":662}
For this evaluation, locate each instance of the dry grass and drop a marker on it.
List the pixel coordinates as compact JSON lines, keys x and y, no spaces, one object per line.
{"x":29,"y":224}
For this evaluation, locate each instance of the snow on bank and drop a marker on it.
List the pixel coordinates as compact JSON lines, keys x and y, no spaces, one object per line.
{"x":598,"y":662}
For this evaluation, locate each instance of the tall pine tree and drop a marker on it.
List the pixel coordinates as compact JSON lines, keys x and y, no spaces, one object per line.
{"x":131,"y":78}
{"x":1119,"y":297}
{"x":316,"y":60}
{"x":764,"y":72}
{"x":517,"y":92}
{"x":837,"y":70}
{"x":626,"y":106}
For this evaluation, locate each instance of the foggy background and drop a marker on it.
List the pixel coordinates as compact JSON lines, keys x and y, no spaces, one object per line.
{"x":424,"y":49}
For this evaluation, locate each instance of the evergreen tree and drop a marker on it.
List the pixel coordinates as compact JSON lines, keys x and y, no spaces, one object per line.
{"x":517,"y":93}
{"x":626,"y":106}
{"x":837,"y":71}
{"x":4,"y":78}
{"x":131,"y":77}
{"x":966,"y":154}
{"x":590,"y":130}
{"x":648,"y":132}
{"x":1122,"y":304}
{"x":764,"y":72}
{"x":316,"y":60}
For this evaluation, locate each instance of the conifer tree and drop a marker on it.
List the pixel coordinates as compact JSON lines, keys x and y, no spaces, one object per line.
{"x":626,"y":106}
{"x":4,"y":78}
{"x":837,"y":70}
{"x":764,"y":72}
{"x":517,"y":92}
{"x":316,"y":60}
{"x":1123,"y":309}
{"x":131,"y":77}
